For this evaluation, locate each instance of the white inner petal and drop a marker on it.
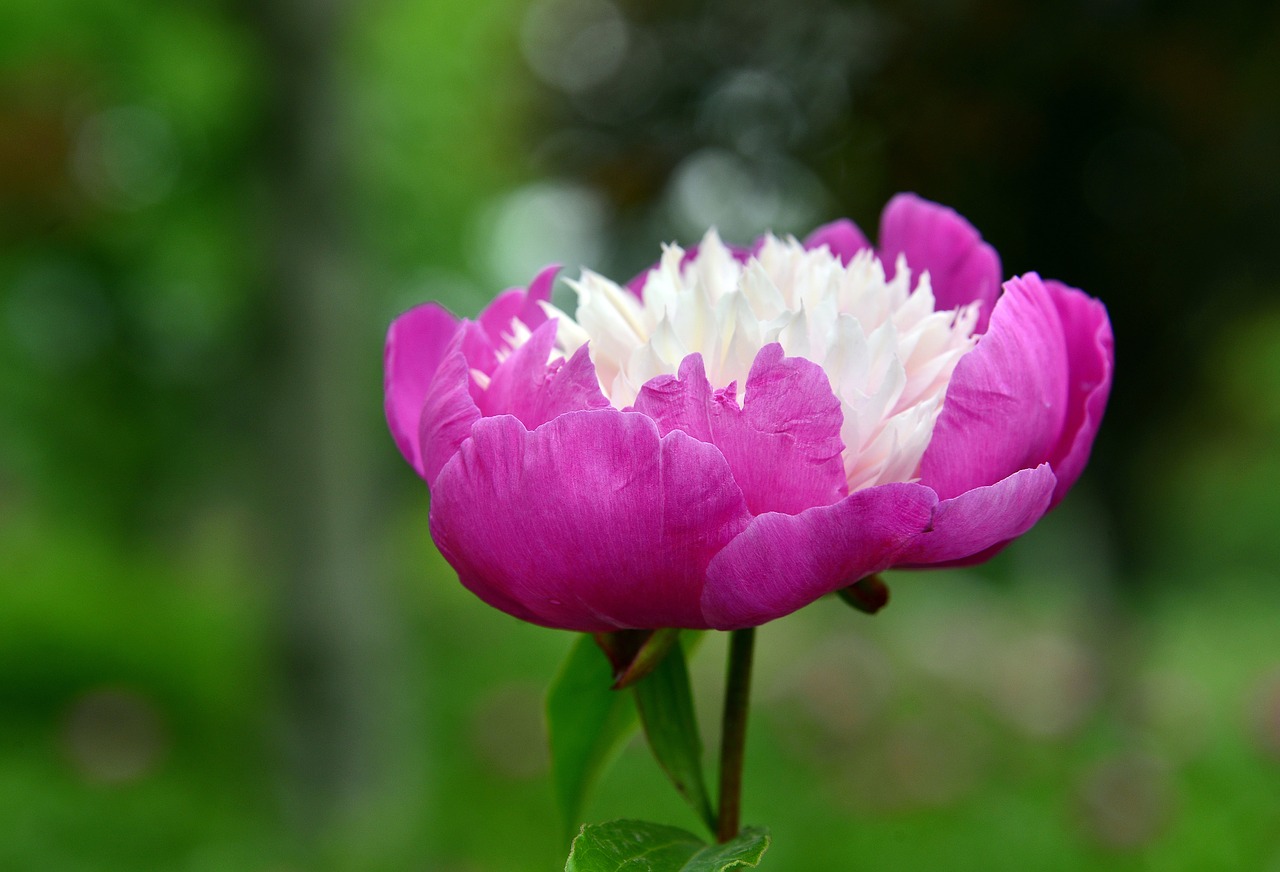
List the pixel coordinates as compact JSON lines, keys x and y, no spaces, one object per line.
{"x":888,"y":355}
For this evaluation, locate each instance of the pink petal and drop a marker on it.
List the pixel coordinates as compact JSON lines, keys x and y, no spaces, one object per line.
{"x":842,"y":237}
{"x":416,"y":342}
{"x":496,"y":317}
{"x":1007,"y":399}
{"x":636,"y":285}
{"x":1091,"y":359}
{"x":783,"y":444}
{"x":784,"y":562}
{"x":519,"y":377}
{"x":593,"y":522}
{"x":962,"y":268}
{"x":526,"y":386}
{"x":976,"y":520}
{"x":480,"y":351}
{"x":448,"y":412}
{"x":680,"y":402}
{"x":573,"y":386}
{"x":518,"y":303}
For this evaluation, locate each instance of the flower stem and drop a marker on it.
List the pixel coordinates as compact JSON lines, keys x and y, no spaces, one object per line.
{"x":733,"y":735}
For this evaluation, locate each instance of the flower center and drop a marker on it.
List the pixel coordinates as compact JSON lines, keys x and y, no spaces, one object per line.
{"x":888,"y":355}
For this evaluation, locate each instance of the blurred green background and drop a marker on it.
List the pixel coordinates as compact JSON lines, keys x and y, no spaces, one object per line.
{"x":226,"y":642}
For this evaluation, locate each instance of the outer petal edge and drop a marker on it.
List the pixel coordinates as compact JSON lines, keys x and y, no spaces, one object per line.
{"x":842,"y":238}
{"x":1090,"y":347}
{"x":416,"y":343}
{"x":962,"y":267}
{"x":984,"y":517}
{"x":781,"y":563}
{"x":448,"y":411}
{"x":1007,"y":400}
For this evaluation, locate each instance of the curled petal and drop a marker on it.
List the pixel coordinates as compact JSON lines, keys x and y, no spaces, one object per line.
{"x":842,"y":237}
{"x":519,"y":377}
{"x":519,"y":303}
{"x":535,"y":391}
{"x":592,"y":522}
{"x":1006,"y":402}
{"x":680,"y":402}
{"x":783,"y":445}
{"x":496,"y":318}
{"x":570,"y":387}
{"x":1091,"y":358}
{"x":783,"y":562}
{"x":983,"y":517}
{"x":962,"y":268}
{"x":448,"y":411}
{"x":480,"y":350}
{"x":416,"y":343}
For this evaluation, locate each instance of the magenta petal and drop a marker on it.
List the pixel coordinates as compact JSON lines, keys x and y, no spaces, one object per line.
{"x":962,"y":268}
{"x":842,"y":237}
{"x":416,"y":342}
{"x":784,"y":443}
{"x":636,"y":285}
{"x":478,"y":348}
{"x":593,"y":522}
{"x":526,"y":386}
{"x":783,"y":562}
{"x":680,"y":402}
{"x":539,"y":292}
{"x":571,"y":387}
{"x":1007,"y":399}
{"x":518,"y":303}
{"x":496,"y":318}
{"x":517,"y":379}
{"x":1091,"y":359}
{"x":985,"y":516}
{"x":448,"y":412}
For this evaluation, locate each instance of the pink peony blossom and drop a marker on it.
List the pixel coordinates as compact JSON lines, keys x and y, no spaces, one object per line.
{"x":740,"y":433}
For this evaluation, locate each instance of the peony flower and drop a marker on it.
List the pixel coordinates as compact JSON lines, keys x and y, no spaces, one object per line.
{"x":738,"y":433}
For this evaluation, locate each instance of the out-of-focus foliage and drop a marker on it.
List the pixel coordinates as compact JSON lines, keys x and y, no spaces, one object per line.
{"x":126,"y":264}
{"x":1047,"y":721}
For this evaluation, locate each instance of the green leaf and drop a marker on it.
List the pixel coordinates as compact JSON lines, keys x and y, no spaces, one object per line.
{"x":633,"y":846}
{"x":665,"y":702}
{"x":640,"y":846}
{"x":587,"y":723}
{"x":742,"y":852}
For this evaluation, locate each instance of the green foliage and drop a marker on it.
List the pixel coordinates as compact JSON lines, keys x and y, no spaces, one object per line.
{"x":665,"y":703}
{"x":587,"y":722}
{"x":631,"y":844}
{"x":640,"y":846}
{"x":742,"y":852}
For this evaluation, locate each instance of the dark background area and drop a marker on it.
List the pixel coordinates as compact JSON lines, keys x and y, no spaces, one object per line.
{"x":225,"y":639}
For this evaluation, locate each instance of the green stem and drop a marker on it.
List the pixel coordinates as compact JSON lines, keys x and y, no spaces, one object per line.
{"x":733,"y":735}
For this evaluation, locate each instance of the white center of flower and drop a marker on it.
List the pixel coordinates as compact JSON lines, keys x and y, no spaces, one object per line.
{"x":888,"y":355}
